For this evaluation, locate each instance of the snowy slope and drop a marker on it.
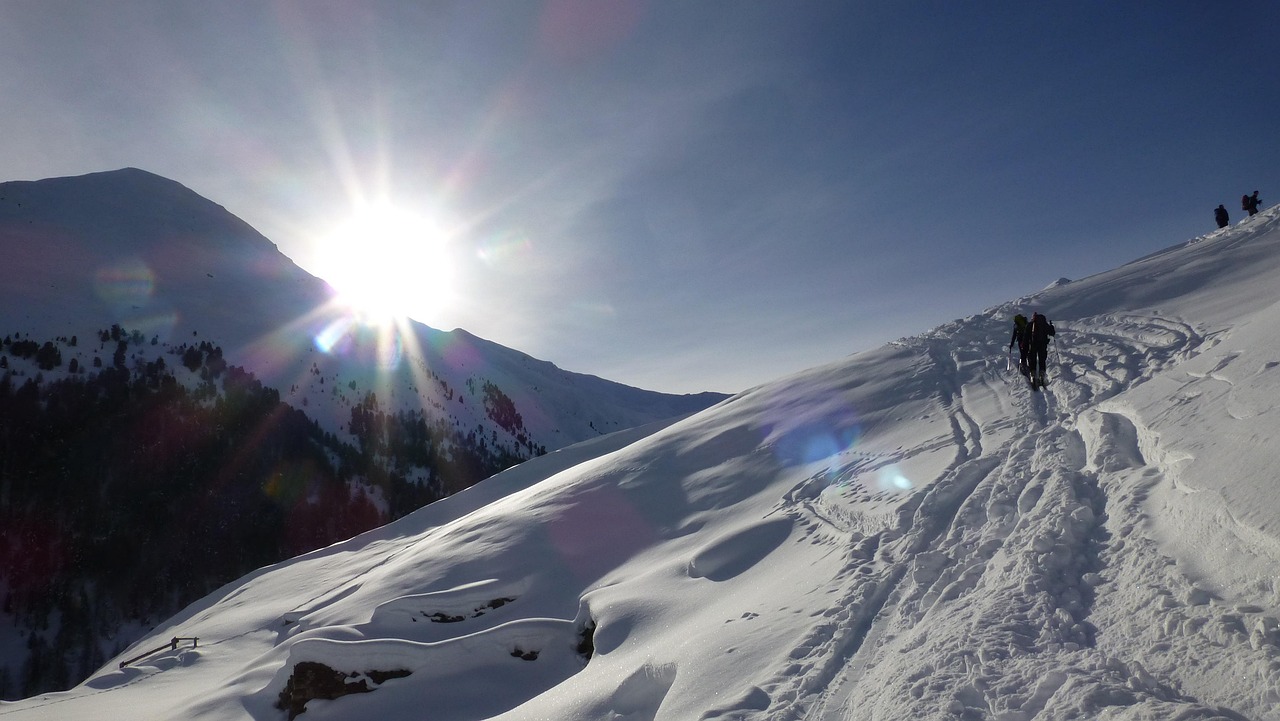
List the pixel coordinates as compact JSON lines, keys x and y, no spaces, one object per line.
{"x":909,"y":533}
{"x":131,"y":248}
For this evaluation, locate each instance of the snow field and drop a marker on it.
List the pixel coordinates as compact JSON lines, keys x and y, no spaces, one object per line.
{"x":910,"y":533}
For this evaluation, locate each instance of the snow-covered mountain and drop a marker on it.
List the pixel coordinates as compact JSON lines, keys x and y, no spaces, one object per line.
{"x":131,"y":248}
{"x":909,"y":533}
{"x":165,"y":370}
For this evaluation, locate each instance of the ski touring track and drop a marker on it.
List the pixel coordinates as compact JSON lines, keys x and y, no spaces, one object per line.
{"x":1020,"y":584}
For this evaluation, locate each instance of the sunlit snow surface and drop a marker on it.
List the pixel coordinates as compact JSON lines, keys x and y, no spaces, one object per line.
{"x":909,"y":533}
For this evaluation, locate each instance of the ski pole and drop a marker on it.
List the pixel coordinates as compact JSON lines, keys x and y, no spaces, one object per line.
{"x":1056,"y":358}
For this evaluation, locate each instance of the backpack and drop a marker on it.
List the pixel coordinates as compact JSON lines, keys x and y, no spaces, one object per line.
{"x":1040,"y":330}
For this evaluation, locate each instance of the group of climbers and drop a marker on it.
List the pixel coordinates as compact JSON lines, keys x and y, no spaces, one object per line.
{"x":1248,"y":203}
{"x":1032,"y":338}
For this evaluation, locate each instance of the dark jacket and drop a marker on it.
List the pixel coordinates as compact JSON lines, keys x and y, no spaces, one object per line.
{"x":1020,"y":333}
{"x":1040,"y":329}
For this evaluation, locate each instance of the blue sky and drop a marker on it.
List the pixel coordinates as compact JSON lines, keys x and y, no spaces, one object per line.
{"x":681,"y":196}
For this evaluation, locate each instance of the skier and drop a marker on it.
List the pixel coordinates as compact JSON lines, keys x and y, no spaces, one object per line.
{"x":1220,"y":215}
{"x":1254,"y":203}
{"x":1023,"y":339}
{"x":1039,"y":331}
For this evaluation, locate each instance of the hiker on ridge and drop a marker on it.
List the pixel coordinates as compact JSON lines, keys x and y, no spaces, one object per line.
{"x":1039,"y":330}
{"x":1252,"y":203}
{"x":1220,"y":215}
{"x":1023,"y":339}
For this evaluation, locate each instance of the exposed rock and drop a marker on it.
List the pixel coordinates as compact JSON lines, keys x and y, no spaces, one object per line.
{"x":311,"y":680}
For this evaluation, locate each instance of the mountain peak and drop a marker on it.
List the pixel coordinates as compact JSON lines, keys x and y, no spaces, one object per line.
{"x":131,"y":247}
{"x":123,"y":182}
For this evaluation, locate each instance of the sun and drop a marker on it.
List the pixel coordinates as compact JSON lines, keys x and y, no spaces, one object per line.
{"x":388,"y":263}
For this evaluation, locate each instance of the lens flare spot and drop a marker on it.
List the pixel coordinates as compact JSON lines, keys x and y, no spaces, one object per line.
{"x":286,"y":486}
{"x":327,"y":339}
{"x":816,"y":442}
{"x":891,"y":479}
{"x":504,"y":249}
{"x":128,"y":284}
{"x":347,"y":336}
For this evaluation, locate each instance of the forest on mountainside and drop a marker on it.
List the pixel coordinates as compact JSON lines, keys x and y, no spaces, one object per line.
{"x":127,"y":493}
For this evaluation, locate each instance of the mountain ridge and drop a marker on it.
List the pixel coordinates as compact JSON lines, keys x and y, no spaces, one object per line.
{"x":132,"y":248}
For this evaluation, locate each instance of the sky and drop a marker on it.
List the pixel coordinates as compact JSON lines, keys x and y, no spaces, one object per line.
{"x":838,"y":544}
{"x":678,"y":196}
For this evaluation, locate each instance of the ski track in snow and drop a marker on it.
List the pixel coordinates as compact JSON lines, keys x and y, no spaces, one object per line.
{"x":1056,"y":499}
